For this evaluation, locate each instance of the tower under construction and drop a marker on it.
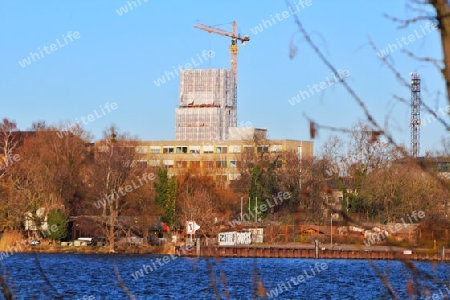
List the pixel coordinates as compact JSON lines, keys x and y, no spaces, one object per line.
{"x":208,"y":98}
{"x":415,"y":114}
{"x":207,"y":106}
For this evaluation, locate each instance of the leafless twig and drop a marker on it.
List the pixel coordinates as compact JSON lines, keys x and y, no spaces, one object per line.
{"x":38,"y":264}
{"x":122,"y":284}
{"x":406,"y":23}
{"x":435,"y":62}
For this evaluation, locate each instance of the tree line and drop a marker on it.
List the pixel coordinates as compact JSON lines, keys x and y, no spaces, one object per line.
{"x":104,"y":182}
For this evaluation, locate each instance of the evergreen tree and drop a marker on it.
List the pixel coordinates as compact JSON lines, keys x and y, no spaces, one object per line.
{"x":262,"y":186}
{"x":166,"y":190}
{"x":57,"y":225}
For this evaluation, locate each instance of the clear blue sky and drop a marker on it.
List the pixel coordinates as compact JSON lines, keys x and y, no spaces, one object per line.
{"x":118,"y":58}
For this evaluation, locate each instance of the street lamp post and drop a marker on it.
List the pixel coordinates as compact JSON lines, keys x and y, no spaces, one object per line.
{"x":256,"y":210}
{"x":191,"y":220}
{"x":331,"y":217}
{"x":293,"y":229}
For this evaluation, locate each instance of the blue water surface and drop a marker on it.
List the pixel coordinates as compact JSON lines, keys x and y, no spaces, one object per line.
{"x":78,"y":276}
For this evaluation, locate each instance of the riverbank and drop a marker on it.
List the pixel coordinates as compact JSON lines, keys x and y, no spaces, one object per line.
{"x":262,"y":250}
{"x":133,"y":249}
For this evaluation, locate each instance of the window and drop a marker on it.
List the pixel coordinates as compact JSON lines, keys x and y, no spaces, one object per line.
{"x":182,"y":149}
{"x":140,"y":163}
{"x":194,"y":149}
{"x":141,"y":149}
{"x":103,"y":149}
{"x":168,"y":149}
{"x":221,"y":163}
{"x":208,"y":164}
{"x":276,"y":148}
{"x":234,"y":176}
{"x":127,"y":163}
{"x":222,"y":149}
{"x":124,"y":150}
{"x":443,"y":166}
{"x":262,"y":149}
{"x":195,"y":164}
{"x":221,"y":178}
{"x":235,"y":149}
{"x":279,"y":163}
{"x":155,"y":149}
{"x":208,"y":149}
{"x":182,"y":164}
{"x":249,"y":149}
{"x":154,"y":163}
{"x":235,"y":164}
{"x":168,"y":163}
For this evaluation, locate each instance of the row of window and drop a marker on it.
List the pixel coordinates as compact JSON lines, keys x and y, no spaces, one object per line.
{"x":206,"y":149}
{"x":170,"y":163}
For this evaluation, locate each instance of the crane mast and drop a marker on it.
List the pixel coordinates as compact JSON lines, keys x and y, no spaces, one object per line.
{"x":235,"y":37}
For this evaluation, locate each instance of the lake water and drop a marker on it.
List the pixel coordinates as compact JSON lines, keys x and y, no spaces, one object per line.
{"x":76,"y":276}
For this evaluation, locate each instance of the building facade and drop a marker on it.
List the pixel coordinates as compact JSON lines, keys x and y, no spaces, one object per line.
{"x":219,"y":159}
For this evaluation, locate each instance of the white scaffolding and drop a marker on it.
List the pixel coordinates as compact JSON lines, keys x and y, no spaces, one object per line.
{"x":207,"y":105}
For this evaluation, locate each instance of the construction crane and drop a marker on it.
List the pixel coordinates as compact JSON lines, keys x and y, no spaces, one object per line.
{"x":235,"y":36}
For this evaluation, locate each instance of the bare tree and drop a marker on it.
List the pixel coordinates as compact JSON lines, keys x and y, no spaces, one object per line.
{"x":440,"y":17}
{"x":198,"y":206}
{"x":115,"y":157}
{"x":9,"y":141}
{"x":141,"y":203}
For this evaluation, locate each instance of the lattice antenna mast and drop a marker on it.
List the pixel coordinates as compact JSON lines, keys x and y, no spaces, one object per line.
{"x":415,"y":114}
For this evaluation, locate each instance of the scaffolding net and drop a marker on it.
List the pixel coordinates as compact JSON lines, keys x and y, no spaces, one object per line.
{"x":207,"y":105}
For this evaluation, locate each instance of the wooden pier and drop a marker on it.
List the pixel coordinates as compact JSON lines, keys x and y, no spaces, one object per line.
{"x":295,"y":252}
